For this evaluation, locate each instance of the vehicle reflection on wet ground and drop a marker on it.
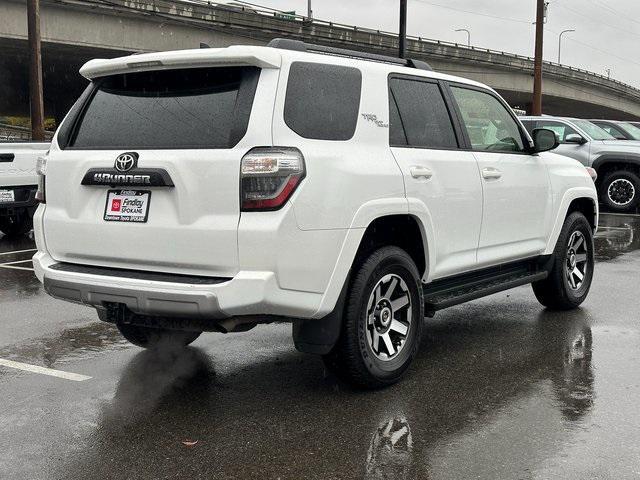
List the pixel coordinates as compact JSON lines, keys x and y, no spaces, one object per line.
{"x":618,"y":234}
{"x":501,"y":389}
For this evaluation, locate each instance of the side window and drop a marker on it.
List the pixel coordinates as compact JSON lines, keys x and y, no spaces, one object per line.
{"x":418,"y":115}
{"x":322,"y":101}
{"x":611,"y":130}
{"x":561,"y":129}
{"x":488,"y":123}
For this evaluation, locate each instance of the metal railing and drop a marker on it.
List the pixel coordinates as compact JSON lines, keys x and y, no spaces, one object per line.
{"x":255,"y":17}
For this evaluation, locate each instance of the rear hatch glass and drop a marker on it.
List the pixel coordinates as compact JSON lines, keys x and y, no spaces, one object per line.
{"x":191,"y":108}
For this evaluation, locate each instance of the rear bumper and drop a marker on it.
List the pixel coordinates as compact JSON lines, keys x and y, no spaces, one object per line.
{"x":248,"y":293}
{"x":25,"y":200}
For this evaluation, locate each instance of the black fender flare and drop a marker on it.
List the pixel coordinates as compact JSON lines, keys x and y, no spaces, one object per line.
{"x":626,"y":157}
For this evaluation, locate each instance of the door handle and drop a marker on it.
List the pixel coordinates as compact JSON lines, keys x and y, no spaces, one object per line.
{"x":491,"y":173}
{"x":417,"y":172}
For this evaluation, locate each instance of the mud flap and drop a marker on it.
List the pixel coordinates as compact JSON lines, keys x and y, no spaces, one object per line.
{"x":319,"y":336}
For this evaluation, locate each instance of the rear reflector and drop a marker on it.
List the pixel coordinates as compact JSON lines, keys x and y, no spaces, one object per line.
{"x":269,"y":176}
{"x":41,"y":170}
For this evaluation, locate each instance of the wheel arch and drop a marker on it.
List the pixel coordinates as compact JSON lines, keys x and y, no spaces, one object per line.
{"x":606,"y":163}
{"x":405,"y":231}
{"x":579,"y":199}
{"x":319,"y":334}
{"x":378,"y":231}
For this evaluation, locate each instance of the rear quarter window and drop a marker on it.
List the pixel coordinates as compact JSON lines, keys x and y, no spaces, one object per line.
{"x":190,"y":108}
{"x":322,"y":101}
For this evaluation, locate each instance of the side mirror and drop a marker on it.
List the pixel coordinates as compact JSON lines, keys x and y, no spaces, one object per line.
{"x":575,"y":138}
{"x":544,"y":140}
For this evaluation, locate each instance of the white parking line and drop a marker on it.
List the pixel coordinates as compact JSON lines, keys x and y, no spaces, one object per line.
{"x":75,"y":377}
{"x":16,"y":268}
{"x":16,"y":262}
{"x":19,"y":251}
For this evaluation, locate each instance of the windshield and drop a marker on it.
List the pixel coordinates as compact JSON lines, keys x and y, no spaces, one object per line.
{"x":594,"y":131}
{"x":631,"y":130}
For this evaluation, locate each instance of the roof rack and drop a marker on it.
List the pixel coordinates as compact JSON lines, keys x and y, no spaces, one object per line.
{"x":299,"y":46}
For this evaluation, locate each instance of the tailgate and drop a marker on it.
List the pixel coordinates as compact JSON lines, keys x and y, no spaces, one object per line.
{"x":168,"y":145}
{"x":18,"y":163}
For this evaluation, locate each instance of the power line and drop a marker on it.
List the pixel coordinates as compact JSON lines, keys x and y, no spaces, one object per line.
{"x":613,"y":11}
{"x":598,"y":22}
{"x":439,"y":5}
{"x":593,"y":47}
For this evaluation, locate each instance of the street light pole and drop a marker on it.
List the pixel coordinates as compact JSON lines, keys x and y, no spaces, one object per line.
{"x":560,"y":41}
{"x":468,"y":35}
{"x":536,"y":106}
{"x":35,"y":71}
{"x":402,"y":36}
{"x":309,"y":11}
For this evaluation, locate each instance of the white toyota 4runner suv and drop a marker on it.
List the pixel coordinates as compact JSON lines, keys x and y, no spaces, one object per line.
{"x":349,"y":194}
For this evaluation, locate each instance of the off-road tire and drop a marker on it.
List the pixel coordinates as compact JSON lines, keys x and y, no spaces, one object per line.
{"x":352,"y":358}
{"x":556,"y":292}
{"x":625,"y":178}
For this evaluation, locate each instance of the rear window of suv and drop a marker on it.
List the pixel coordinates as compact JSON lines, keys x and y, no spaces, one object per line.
{"x":323,"y":101}
{"x":190,"y":108}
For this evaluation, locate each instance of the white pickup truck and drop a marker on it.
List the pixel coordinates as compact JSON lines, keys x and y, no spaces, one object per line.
{"x":18,"y":185}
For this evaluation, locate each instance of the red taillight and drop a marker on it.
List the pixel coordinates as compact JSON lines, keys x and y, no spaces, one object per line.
{"x":269,"y":176}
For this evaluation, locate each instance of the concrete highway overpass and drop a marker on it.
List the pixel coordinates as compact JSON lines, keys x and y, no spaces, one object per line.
{"x":75,"y":31}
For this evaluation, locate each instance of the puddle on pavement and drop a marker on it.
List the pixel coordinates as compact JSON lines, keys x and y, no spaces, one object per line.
{"x":69,"y":344}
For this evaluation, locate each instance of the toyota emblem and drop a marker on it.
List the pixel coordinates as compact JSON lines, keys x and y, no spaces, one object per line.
{"x":126,"y":161}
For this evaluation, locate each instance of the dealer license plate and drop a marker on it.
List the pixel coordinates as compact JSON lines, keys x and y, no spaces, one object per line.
{"x":127,"y":206}
{"x":7,"y":196}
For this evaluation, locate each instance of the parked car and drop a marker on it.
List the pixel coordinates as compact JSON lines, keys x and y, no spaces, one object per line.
{"x":18,"y":185}
{"x":619,"y":130}
{"x":617,"y":163}
{"x":347,"y":193}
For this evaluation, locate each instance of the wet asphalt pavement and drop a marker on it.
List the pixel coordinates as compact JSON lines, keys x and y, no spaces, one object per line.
{"x":501,"y":389}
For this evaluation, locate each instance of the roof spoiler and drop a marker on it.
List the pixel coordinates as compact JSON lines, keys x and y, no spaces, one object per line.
{"x":299,"y":46}
{"x":202,"y":57}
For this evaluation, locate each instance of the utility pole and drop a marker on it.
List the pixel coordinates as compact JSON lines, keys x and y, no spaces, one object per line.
{"x":35,"y":71}
{"x":536,"y":107}
{"x":309,"y":11}
{"x":402,"y":36}
{"x":560,"y":41}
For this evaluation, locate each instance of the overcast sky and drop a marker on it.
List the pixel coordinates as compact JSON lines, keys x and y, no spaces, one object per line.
{"x":607,"y":31}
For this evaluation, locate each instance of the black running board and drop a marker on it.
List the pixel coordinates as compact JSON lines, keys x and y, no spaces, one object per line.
{"x":450,"y":291}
